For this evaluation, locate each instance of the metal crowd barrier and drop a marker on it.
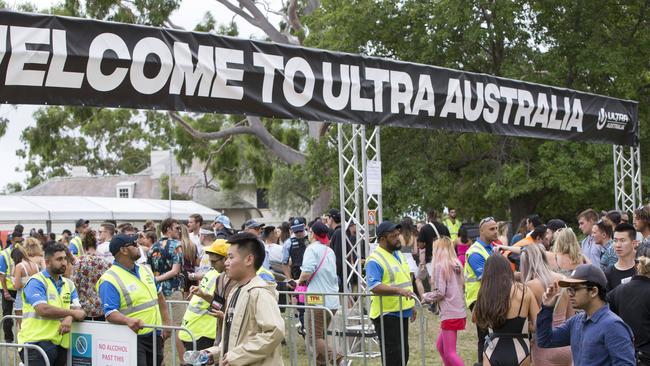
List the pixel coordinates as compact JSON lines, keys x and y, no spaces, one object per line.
{"x":359,"y":335}
{"x":174,"y":329}
{"x":359,"y":338}
{"x":25,"y":347}
{"x":14,"y":329}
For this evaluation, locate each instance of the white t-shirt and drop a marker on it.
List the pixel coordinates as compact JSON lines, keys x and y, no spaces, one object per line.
{"x":275,"y":252}
{"x":103,"y":251}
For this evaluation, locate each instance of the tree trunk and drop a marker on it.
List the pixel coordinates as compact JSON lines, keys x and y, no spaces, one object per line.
{"x":521,"y":207}
{"x":321,"y":203}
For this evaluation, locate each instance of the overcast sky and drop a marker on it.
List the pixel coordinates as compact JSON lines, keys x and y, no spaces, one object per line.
{"x":188,"y":15}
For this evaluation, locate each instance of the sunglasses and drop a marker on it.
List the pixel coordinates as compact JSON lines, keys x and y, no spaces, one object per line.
{"x":485,"y":221}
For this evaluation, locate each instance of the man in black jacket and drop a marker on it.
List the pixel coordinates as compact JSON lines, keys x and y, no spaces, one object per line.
{"x":336,"y":243}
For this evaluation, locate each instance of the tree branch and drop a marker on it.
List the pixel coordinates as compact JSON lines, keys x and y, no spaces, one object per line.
{"x":255,"y":17}
{"x":292,"y":12}
{"x":255,"y":128}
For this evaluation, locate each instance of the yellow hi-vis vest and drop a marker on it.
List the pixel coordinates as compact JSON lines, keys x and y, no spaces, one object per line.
{"x":266,"y":271}
{"x":35,"y":328}
{"x":10,"y":268}
{"x":138,"y":296}
{"x":76,"y":241}
{"x":196,"y":318}
{"x":472,"y":283}
{"x":396,"y":274}
{"x":453,"y":228}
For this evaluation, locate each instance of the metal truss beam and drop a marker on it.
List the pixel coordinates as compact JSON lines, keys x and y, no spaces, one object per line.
{"x":627,"y":177}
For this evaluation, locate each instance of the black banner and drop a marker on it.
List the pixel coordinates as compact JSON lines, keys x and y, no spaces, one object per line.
{"x":69,"y":61}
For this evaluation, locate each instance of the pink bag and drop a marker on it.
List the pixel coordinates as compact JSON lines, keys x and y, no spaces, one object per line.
{"x":303,"y":288}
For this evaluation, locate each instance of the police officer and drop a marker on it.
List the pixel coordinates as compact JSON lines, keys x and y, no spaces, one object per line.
{"x":294,"y":250}
{"x":130,"y":297}
{"x":50,"y":304}
{"x":197,"y":318}
{"x":475,"y":258}
{"x":81,"y":226}
{"x":388,"y":274}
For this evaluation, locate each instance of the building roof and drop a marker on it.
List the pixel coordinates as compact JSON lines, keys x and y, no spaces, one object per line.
{"x":71,"y":208}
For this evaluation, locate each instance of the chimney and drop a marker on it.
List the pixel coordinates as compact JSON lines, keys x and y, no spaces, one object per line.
{"x":79,"y":171}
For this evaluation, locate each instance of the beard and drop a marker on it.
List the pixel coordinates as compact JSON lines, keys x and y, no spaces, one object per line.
{"x":136,"y":256}
{"x":58,"y":271}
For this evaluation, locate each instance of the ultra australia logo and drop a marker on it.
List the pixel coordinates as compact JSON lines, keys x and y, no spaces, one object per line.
{"x":613,"y":120}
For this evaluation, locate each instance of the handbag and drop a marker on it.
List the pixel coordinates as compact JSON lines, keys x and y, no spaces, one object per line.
{"x":303,"y":288}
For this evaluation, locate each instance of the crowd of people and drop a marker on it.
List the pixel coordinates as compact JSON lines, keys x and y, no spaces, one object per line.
{"x":539,"y":296}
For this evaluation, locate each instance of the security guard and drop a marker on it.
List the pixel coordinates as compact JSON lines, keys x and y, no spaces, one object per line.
{"x":8,"y":291}
{"x":475,"y":258}
{"x":388,"y":274}
{"x":197,"y":318}
{"x":50,"y":304}
{"x":130,"y":297}
{"x":453,"y":224}
{"x":75,"y":246}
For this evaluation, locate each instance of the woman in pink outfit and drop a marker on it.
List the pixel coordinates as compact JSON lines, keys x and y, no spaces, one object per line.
{"x":462,"y":244}
{"x":447,"y":291}
{"x":537,"y":275}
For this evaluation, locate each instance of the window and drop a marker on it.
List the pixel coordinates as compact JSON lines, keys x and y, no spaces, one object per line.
{"x":123,"y":193}
{"x":125,"y":189}
{"x":262,"y":199}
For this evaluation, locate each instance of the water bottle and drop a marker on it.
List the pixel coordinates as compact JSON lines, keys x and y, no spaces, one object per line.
{"x":196,"y":358}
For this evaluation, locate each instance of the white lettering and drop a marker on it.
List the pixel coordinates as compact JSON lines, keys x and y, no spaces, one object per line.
{"x":142,"y":49}
{"x":509,"y":94}
{"x":56,"y":77}
{"x":540,"y":117}
{"x":270,"y":63}
{"x":454,"y":101}
{"x":425,"y":99}
{"x":554,"y":123}
{"x":378,"y":77}
{"x":398,"y":79}
{"x":525,"y":106}
{"x":575,"y":121}
{"x":357,"y":103}
{"x":220,"y":88}
{"x":185,"y":72}
{"x":20,"y":55}
{"x":336,"y":103}
{"x":3,"y":42}
{"x":473,"y":114}
{"x":298,"y":65}
{"x":98,"y":47}
{"x":491,"y":96}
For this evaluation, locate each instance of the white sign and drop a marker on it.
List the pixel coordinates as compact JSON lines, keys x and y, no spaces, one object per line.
{"x":102,"y":344}
{"x":373,"y":177}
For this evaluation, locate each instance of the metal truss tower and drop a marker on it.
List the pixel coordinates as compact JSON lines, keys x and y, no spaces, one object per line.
{"x":627,"y":177}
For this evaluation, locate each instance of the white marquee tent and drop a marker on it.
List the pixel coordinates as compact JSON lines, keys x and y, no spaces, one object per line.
{"x":49,"y":210}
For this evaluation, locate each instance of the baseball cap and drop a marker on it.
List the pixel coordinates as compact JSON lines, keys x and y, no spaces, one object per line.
{"x":386,"y":227}
{"x":225,"y":220}
{"x":218,"y":247}
{"x":120,"y":240}
{"x":585,"y":273}
{"x":252,"y":224}
{"x":320,"y":231}
{"x":81,"y":222}
{"x":297,"y":225}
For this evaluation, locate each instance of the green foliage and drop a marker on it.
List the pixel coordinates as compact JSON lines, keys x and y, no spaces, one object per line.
{"x":293,"y":188}
{"x":106,"y":141}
